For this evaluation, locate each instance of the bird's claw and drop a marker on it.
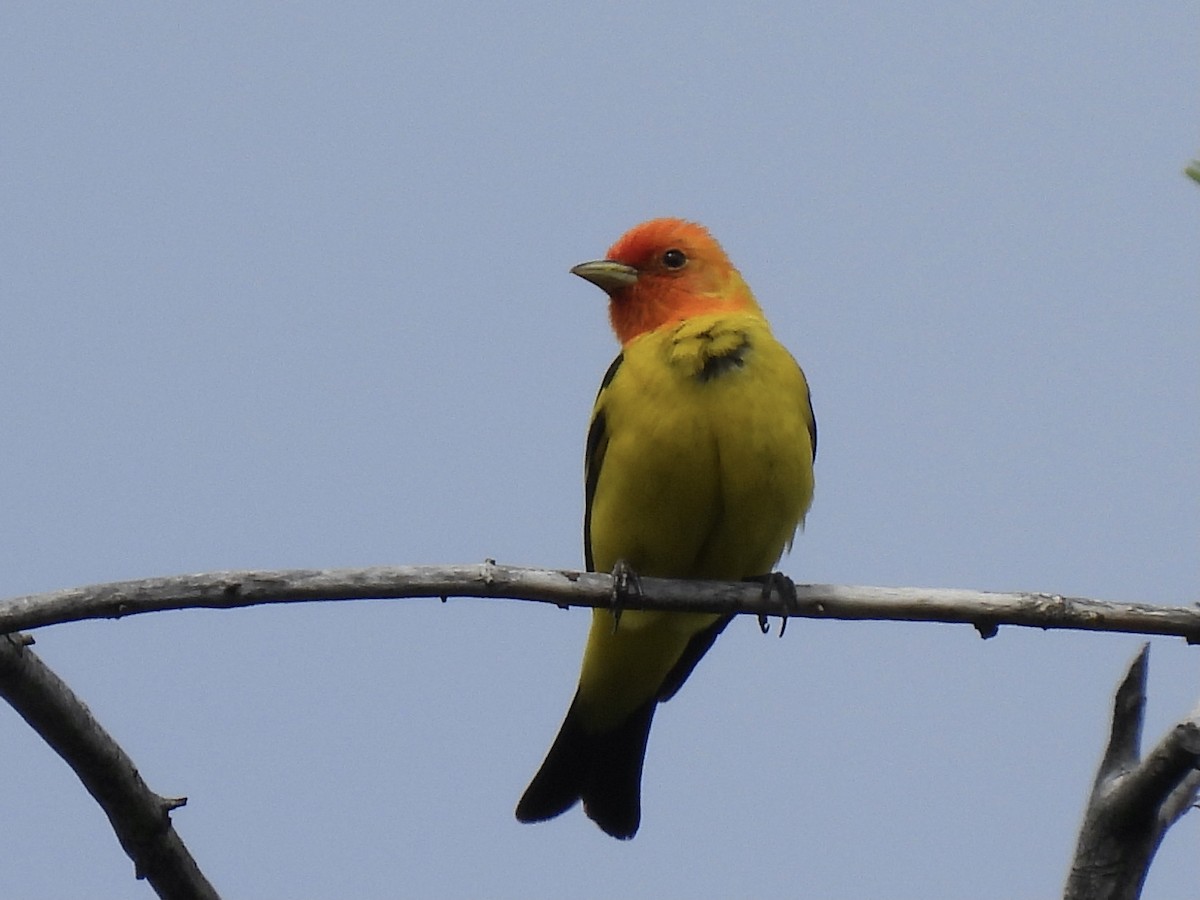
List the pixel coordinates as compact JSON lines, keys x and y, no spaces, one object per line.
{"x":625,"y":584}
{"x":789,"y":602}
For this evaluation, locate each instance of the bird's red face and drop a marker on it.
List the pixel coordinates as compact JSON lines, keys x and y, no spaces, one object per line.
{"x":663,"y":271}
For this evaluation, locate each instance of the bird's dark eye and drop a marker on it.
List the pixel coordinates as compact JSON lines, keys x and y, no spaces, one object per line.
{"x":674,"y":259}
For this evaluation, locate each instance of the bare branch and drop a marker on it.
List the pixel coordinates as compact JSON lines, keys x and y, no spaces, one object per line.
{"x":986,"y":611}
{"x":140,"y":817}
{"x":1146,"y":797}
{"x":1129,"y":707}
{"x":1133,"y":803}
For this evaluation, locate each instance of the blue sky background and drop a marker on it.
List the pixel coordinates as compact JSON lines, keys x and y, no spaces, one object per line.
{"x":285,"y":285}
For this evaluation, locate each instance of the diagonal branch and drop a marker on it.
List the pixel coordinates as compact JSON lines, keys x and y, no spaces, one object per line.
{"x":139,"y":816}
{"x":1133,"y":801}
{"x":985,"y":610}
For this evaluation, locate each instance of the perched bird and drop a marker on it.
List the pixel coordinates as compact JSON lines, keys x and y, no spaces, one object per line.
{"x":699,"y":465}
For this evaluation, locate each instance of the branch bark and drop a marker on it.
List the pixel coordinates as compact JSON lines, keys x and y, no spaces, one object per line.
{"x":985,"y":610}
{"x":1141,"y":799}
{"x":1133,"y":802}
{"x":140,"y":817}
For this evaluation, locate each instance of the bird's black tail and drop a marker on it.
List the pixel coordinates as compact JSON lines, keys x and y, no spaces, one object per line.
{"x":603,"y":769}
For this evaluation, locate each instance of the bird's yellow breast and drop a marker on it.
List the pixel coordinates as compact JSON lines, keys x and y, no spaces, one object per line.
{"x":707,"y":465}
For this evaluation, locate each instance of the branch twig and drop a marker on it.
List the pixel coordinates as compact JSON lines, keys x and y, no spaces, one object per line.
{"x":1133,"y":802}
{"x":140,"y":817}
{"x":986,"y":611}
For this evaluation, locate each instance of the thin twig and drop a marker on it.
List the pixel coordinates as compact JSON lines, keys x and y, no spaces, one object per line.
{"x":984,"y":610}
{"x":140,"y":817}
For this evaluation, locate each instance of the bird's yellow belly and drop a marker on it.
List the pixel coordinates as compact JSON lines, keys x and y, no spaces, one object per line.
{"x":711,"y":485}
{"x":706,"y":474}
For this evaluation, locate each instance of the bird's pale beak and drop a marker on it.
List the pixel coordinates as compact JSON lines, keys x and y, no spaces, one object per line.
{"x":607,"y":274}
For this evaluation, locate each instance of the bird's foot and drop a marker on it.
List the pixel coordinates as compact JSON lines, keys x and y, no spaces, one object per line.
{"x":625,"y":584}
{"x":789,"y":602}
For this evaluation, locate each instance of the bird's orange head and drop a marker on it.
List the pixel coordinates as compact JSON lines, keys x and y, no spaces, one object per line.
{"x":664,"y":271}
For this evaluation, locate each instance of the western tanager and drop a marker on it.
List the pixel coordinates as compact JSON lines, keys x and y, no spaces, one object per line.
{"x":699,"y":465}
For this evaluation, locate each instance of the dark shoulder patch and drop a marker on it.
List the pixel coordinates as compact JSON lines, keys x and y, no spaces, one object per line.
{"x":717,"y":364}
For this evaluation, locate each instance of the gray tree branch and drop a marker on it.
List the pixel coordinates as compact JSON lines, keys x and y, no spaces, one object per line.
{"x":1134,"y":801}
{"x":140,"y":817}
{"x":985,"y":610}
{"x":1135,"y":798}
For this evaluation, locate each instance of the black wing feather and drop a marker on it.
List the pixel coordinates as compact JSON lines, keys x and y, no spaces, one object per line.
{"x":597,"y":444}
